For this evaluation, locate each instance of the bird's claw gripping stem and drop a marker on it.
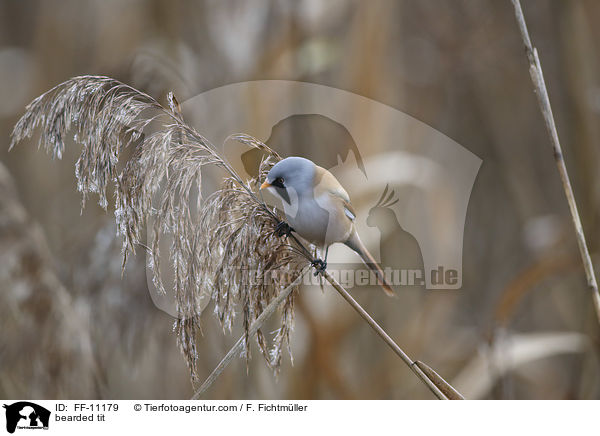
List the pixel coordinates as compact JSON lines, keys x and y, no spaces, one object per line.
{"x":283,"y":229}
{"x":319,"y":266}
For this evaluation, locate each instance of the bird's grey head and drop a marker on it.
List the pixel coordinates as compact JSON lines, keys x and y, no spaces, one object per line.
{"x":292,"y":173}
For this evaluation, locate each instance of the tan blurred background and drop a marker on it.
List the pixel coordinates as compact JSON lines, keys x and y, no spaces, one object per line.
{"x":522,"y":327}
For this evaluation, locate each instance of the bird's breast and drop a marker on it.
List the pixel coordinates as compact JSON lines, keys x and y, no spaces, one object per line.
{"x":319,"y":220}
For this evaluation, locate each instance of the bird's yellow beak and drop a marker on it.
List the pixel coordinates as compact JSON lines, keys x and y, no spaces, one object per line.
{"x":265,"y":185}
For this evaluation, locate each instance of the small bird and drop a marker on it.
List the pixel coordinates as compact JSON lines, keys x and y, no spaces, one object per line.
{"x":318,"y":208}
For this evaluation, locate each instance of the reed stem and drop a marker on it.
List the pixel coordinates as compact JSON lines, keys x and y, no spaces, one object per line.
{"x":537,"y":77}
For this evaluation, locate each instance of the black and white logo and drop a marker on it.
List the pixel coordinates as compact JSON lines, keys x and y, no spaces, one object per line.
{"x":26,"y":415}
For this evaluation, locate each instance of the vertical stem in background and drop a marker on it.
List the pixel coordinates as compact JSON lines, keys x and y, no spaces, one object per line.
{"x":537,"y":77}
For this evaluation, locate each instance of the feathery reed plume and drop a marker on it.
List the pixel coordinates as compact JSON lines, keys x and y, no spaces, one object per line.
{"x":225,"y":250}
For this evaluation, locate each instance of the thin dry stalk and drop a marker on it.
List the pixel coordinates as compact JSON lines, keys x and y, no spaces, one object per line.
{"x":537,"y":77}
{"x":436,"y":384}
{"x":440,"y":387}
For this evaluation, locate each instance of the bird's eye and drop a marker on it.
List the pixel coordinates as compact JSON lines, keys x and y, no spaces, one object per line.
{"x":278,"y":182}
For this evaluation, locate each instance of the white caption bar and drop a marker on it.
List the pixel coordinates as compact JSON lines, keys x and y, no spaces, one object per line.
{"x":297,"y":417}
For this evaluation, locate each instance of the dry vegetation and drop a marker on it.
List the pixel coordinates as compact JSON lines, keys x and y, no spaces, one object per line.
{"x":523,"y":325}
{"x":229,"y":249}
{"x":225,"y":250}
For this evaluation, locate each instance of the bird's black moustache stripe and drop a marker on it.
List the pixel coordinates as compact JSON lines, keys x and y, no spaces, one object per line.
{"x":284,"y":194}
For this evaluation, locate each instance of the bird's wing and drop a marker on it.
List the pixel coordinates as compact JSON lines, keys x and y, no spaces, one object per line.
{"x":348,"y":209}
{"x":328,"y":183}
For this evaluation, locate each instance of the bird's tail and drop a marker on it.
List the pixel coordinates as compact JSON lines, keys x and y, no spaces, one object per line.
{"x":356,"y":244}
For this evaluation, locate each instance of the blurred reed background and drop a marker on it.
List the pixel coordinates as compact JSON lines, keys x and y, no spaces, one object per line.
{"x":522,"y":327}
